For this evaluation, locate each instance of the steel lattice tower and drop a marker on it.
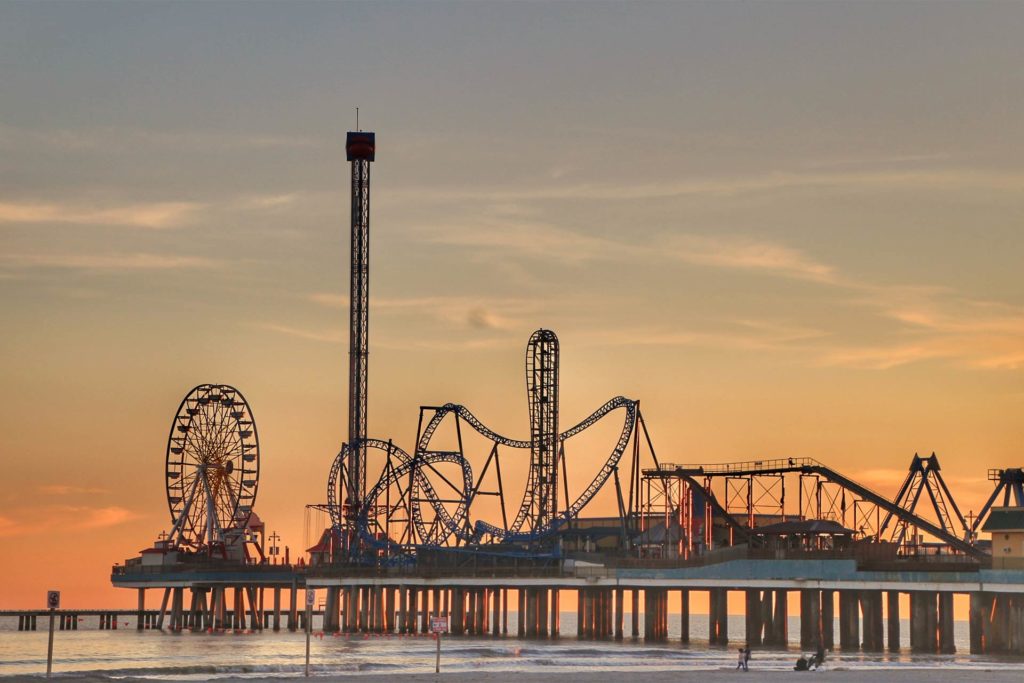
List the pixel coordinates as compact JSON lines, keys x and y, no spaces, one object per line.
{"x":542,"y":387}
{"x":360,"y":149}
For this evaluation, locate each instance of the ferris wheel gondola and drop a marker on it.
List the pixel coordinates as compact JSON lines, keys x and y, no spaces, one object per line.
{"x":213,"y":467}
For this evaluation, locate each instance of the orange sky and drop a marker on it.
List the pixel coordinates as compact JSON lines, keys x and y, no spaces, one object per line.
{"x":789,"y":231}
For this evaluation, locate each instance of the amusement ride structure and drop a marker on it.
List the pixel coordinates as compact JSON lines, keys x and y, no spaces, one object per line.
{"x":441,"y":531}
{"x":413,"y":504}
{"x":387,"y":505}
{"x":212,"y":471}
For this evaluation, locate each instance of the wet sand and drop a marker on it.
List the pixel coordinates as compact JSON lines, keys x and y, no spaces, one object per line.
{"x":903,"y":674}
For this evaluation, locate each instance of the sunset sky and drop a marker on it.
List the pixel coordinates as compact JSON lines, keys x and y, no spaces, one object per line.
{"x":788,"y":229}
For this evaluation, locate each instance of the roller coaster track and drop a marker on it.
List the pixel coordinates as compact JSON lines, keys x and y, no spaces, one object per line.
{"x":447,"y":524}
{"x":810,"y":466}
{"x":513,"y":532}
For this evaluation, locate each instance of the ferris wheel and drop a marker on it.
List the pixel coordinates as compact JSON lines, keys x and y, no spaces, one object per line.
{"x":213,"y":468}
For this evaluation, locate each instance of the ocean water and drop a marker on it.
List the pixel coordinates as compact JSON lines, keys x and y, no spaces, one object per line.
{"x":201,"y":656}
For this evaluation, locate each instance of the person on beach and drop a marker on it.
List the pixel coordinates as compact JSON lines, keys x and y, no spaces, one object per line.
{"x":746,"y":659}
{"x":740,"y":660}
{"x":818,"y":659}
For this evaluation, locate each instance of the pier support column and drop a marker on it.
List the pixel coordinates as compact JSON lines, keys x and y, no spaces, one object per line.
{"x":768,"y":618}
{"x":425,"y":610}
{"x":496,"y":612}
{"x":752,"y":616}
{"x":780,"y":619}
{"x":810,"y":619}
{"x":141,"y":612}
{"x":293,"y":608}
{"x":389,"y":608}
{"x":923,"y":622}
{"x":276,"y":624}
{"x":976,"y":621}
{"x":828,"y":618}
{"x":718,"y":620}
{"x":192,"y":619}
{"x":893,"y":620}
{"x":932,"y":613}
{"x":521,"y":612}
{"x":258,"y":615}
{"x":849,"y":620}
{"x":581,"y":602}
{"x":239,"y":606}
{"x":531,"y":612}
{"x":163,"y":609}
{"x":459,"y":612}
{"x":947,"y":644}
{"x":648,"y":615}
{"x":331,"y":609}
{"x":556,"y":615}
{"x":403,"y":612}
{"x":684,"y":616}
{"x":635,"y":614}
{"x":871,"y":609}
{"x":177,"y":604}
{"x":620,"y":603}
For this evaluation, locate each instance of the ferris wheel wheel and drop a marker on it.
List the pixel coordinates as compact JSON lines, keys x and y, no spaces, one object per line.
{"x":213,"y":468}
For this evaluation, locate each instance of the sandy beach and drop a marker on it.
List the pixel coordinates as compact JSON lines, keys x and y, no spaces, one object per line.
{"x":903,"y":675}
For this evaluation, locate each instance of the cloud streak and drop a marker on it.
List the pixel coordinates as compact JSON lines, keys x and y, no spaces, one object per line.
{"x":726,"y":187}
{"x":156,"y":216}
{"x":113,"y":262}
{"x":923,"y":323}
{"x":40,"y":519}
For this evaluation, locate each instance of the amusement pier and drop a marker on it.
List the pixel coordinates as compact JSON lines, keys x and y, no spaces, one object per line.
{"x":437,"y":531}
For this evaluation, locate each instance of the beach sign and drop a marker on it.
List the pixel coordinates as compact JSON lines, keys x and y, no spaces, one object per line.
{"x":438,"y":625}
{"x":310,"y":597}
{"x":52,"y":599}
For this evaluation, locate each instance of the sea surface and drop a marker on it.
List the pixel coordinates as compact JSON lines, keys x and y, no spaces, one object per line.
{"x":202,"y":656}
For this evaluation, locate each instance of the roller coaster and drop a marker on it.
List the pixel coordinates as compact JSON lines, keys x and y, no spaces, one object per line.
{"x":415,"y":503}
{"x":745,"y":495}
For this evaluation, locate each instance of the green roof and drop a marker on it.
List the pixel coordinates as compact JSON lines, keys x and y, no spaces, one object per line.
{"x":1005,"y":519}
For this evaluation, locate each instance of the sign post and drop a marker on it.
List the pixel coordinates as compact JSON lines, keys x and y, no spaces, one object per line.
{"x":52,"y":604}
{"x":310,"y":597}
{"x":438,"y":625}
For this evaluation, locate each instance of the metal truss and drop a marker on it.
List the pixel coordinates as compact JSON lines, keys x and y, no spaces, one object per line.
{"x":756,"y":488}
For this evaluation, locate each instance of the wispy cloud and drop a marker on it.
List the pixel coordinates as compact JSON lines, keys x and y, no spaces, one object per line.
{"x":725,"y":187}
{"x":156,"y":215}
{"x":742,"y":334}
{"x":68,"y":489}
{"x":146,"y":215}
{"x":331,"y":336}
{"x":40,"y":519}
{"x":491,"y":313}
{"x":543,"y":241}
{"x":740,"y":253}
{"x":107,"y":139}
{"x":933,"y":324}
{"x":533,"y":240}
{"x":138,"y":261}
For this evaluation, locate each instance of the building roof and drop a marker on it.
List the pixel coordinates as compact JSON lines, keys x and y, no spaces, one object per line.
{"x":810,"y":527}
{"x":1005,"y":519}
